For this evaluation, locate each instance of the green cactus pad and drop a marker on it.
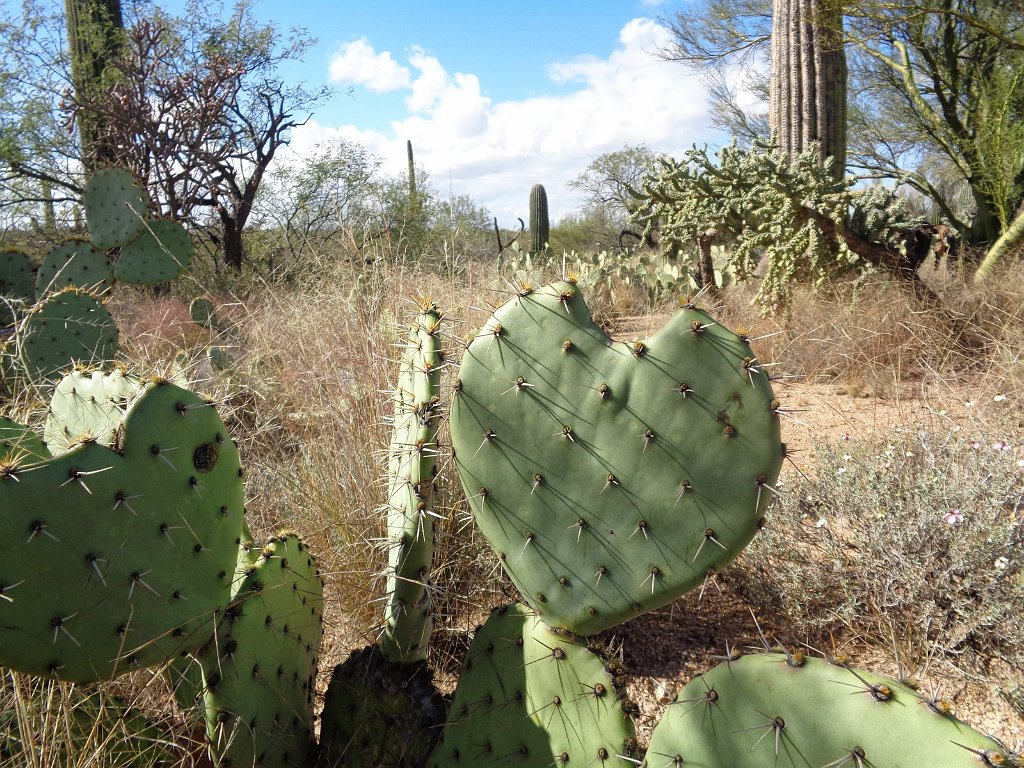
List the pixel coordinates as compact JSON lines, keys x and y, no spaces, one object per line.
{"x":74,"y":263}
{"x":161,"y":252}
{"x":119,"y":559}
{"x":780,"y":710}
{"x":66,"y":329}
{"x":17,"y":283}
{"x":380,"y":713}
{"x":530,"y":696}
{"x":411,"y":456}
{"x":221,"y":360}
{"x":88,"y":406}
{"x":259,"y":677}
{"x":204,"y":314}
{"x":19,"y":444}
{"x":611,"y":477}
{"x":115,"y":207}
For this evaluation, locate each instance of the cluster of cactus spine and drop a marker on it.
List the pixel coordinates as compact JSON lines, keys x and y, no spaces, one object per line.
{"x":609,"y":477}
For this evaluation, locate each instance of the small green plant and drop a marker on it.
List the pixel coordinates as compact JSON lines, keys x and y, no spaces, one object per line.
{"x":916,"y":539}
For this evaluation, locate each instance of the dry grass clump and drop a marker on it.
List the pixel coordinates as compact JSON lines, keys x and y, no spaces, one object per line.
{"x":122,"y":724}
{"x":315,"y":448}
{"x":872,"y":335}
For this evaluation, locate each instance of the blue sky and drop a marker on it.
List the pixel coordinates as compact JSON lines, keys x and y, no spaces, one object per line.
{"x":495,"y":96}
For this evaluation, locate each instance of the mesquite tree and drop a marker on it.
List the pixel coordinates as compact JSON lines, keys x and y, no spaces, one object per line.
{"x":808,"y":79}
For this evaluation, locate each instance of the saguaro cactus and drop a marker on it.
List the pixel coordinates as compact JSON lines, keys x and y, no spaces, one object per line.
{"x":808,"y":79}
{"x":540,"y":228}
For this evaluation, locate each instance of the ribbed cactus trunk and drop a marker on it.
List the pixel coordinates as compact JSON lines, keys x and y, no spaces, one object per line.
{"x":95,"y":30}
{"x":808,"y":79}
{"x":540,"y":227}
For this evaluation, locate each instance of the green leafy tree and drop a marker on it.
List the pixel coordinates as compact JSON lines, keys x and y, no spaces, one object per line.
{"x":39,"y":157}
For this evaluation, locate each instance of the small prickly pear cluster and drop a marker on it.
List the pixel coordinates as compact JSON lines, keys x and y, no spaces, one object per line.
{"x":528,"y":695}
{"x":58,"y":315}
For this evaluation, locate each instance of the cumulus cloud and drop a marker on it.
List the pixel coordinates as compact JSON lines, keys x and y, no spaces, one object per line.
{"x":496,"y":150}
{"x":359,"y":64}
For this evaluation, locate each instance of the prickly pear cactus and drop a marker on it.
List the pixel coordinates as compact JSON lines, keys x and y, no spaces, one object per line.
{"x":260,"y":674}
{"x":17,"y":284}
{"x":784,"y":710}
{"x":74,"y":263}
{"x":611,"y":477}
{"x":411,"y":478}
{"x":161,"y":252}
{"x":204,"y":314}
{"x":379,"y":713}
{"x":118,"y":559}
{"x":530,"y":696}
{"x":68,"y":328}
{"x":115,"y":207}
{"x":88,"y":406}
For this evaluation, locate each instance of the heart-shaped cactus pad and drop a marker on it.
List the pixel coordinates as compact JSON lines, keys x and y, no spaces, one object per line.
{"x":611,"y":477}
{"x":120,"y":558}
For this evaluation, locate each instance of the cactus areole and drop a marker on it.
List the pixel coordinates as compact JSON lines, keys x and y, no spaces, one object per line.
{"x":611,"y":477}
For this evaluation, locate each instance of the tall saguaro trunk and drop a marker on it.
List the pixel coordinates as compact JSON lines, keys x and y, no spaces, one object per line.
{"x":808,"y":79}
{"x":95,"y":30}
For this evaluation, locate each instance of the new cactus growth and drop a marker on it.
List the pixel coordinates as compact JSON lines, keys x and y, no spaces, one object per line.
{"x":411,"y":477}
{"x":611,"y":477}
{"x":530,"y":696}
{"x":74,"y":263}
{"x":115,"y":207}
{"x":88,"y":406}
{"x":540,"y":227}
{"x":785,"y":710}
{"x":259,"y":676}
{"x":68,"y":328}
{"x":118,"y":559}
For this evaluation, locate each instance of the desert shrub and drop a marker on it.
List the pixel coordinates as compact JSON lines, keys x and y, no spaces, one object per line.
{"x":917,"y":541}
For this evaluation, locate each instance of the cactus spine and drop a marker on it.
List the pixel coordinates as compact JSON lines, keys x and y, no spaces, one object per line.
{"x":540,"y":228}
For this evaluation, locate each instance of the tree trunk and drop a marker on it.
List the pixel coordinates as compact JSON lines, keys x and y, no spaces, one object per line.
{"x":705,"y":274}
{"x":807,"y":100}
{"x":231,"y":242}
{"x":1011,"y":238}
{"x":95,"y":30}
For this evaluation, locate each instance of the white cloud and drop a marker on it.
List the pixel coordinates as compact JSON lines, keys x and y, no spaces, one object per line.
{"x":359,"y":64}
{"x":495,"y":151}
